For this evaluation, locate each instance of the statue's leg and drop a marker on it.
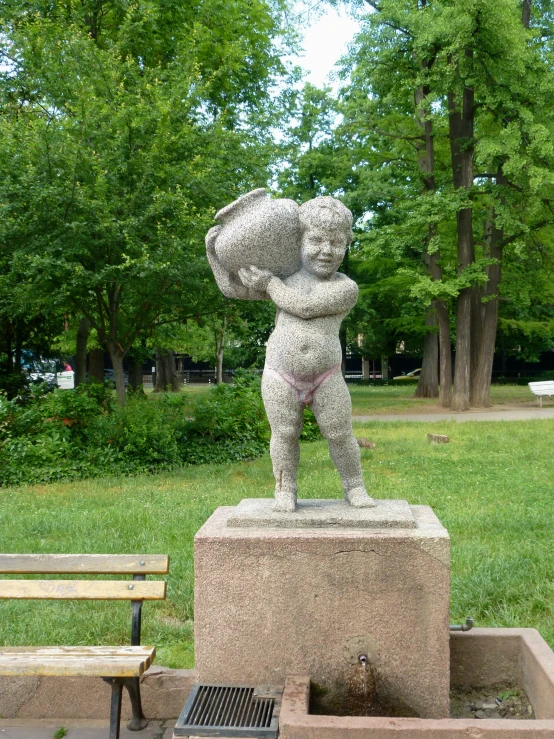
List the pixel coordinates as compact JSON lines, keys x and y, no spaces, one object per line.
{"x":285,"y":414}
{"x":332,"y":408}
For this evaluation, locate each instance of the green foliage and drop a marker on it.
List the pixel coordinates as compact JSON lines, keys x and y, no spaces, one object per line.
{"x":12,"y":383}
{"x":123,"y":128}
{"x":84,"y":433}
{"x":307,"y":153}
{"x":228,"y":424}
{"x":250,"y":331}
{"x":231,"y":423}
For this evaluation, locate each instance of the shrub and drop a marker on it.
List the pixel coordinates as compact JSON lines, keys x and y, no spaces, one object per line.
{"x":230,"y":424}
{"x":12,"y":383}
{"x":83,"y":433}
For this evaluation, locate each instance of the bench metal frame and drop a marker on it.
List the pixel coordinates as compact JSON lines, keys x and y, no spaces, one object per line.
{"x":139,"y":567}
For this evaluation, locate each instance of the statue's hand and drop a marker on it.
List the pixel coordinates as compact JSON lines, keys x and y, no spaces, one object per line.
{"x":257,"y":279}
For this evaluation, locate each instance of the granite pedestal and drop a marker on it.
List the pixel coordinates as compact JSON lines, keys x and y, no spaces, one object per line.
{"x":273,"y":601}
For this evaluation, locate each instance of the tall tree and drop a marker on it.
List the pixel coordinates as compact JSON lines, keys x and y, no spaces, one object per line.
{"x":131,"y":126}
{"x":481,"y":83}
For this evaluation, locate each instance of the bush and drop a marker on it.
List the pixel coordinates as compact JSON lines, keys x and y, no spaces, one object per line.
{"x":232,"y":425}
{"x":12,"y":383}
{"x":83,"y":433}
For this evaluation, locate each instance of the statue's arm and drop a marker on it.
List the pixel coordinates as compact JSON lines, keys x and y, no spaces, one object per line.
{"x":333,"y":298}
{"x":229,"y":285}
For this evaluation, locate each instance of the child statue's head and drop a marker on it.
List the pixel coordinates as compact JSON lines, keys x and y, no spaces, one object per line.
{"x":326,"y":228}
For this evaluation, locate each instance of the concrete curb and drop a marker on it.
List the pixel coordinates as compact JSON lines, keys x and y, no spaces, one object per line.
{"x":164,"y":692}
{"x":525,"y":414}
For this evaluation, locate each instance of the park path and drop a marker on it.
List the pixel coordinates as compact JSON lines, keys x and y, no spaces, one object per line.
{"x":76,"y":729}
{"x":521,"y":414}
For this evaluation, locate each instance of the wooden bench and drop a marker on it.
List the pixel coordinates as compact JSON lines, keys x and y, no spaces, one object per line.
{"x":540,"y":389}
{"x":119,"y":666}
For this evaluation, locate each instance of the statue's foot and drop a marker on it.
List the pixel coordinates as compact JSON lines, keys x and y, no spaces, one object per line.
{"x":285,"y":501}
{"x":358,"y":498}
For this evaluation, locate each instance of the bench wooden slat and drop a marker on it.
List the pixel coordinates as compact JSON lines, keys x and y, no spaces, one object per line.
{"x":87,"y":564}
{"x":76,"y":661}
{"x":83,"y":589}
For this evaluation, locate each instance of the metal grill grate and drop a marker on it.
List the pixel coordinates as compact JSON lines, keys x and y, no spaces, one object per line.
{"x":230,"y":710}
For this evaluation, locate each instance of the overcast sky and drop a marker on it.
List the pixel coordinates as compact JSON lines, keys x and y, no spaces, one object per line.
{"x":325,"y":41}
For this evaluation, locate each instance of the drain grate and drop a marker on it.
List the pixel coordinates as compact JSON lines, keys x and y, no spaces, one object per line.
{"x":230,"y":710}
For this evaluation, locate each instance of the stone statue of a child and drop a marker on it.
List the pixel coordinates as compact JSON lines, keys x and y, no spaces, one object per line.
{"x":303,"y":358}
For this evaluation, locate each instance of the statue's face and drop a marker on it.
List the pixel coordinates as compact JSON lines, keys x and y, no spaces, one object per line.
{"x":323,"y":250}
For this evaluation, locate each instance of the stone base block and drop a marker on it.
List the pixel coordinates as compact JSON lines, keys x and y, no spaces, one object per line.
{"x":273,"y":602}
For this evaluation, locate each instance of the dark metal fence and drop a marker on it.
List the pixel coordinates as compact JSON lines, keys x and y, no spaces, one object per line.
{"x":191,"y":377}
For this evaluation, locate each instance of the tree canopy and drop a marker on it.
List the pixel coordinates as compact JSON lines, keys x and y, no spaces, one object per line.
{"x":124,"y":127}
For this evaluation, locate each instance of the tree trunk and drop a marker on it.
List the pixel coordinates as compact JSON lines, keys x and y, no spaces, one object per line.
{"x":81,"y":351}
{"x":488,"y":317}
{"x":526,"y":13}
{"x":342,"y":329}
{"x":116,"y":355}
{"x":171,"y":371}
{"x":462,"y":366}
{"x":384,"y":367}
{"x":220,"y":348}
{"x":428,"y":385}
{"x":482,"y":377}
{"x":166,"y":376}
{"x":219,"y":367}
{"x":445,"y":354}
{"x":159,"y":385}
{"x":96,"y":365}
{"x":135,"y":374}
{"x":477,"y":313}
{"x":462,"y":155}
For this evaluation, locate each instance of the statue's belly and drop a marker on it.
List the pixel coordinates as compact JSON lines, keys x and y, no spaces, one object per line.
{"x":303,"y":350}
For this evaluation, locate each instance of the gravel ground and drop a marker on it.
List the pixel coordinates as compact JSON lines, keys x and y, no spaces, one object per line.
{"x":501,"y":702}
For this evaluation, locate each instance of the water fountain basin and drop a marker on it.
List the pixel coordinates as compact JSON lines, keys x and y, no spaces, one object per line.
{"x":479,"y":658}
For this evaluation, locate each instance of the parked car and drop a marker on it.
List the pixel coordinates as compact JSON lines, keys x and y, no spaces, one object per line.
{"x":40,"y":370}
{"x":413,"y":375}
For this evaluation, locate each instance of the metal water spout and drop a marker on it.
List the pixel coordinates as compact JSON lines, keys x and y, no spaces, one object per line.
{"x":463,"y":627}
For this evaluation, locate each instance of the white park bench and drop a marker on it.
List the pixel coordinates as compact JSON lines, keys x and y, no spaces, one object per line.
{"x":540,"y":389}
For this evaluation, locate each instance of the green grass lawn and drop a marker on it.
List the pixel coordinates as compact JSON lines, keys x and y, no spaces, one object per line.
{"x":384,"y":399}
{"x":192,"y":392}
{"x":492,"y":486}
